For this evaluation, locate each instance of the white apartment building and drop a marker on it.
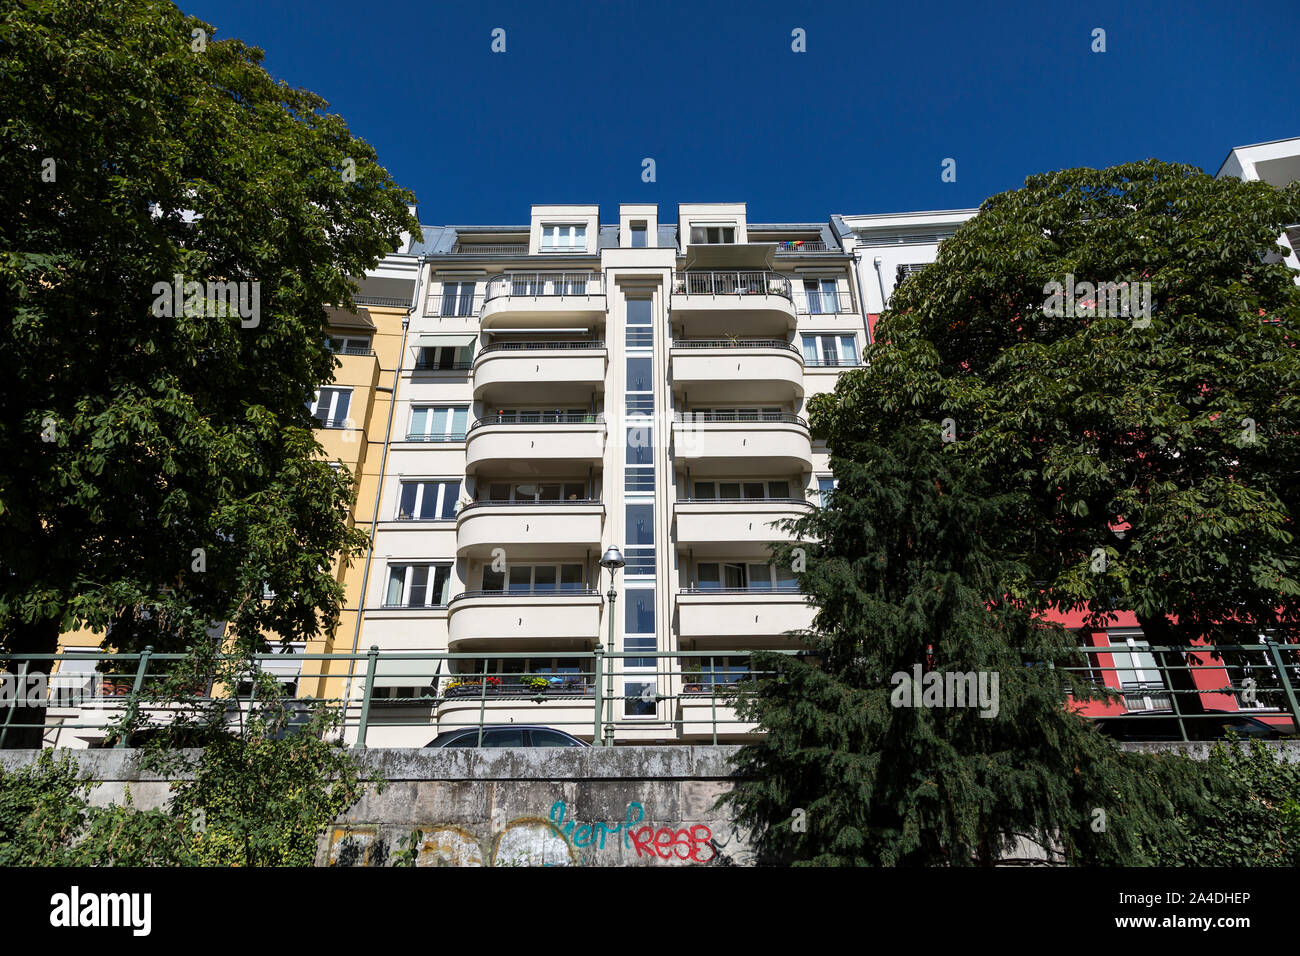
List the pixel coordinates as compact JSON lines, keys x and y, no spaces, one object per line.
{"x":567,"y":386}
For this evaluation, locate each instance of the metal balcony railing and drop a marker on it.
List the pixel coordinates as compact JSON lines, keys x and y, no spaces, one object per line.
{"x":756,"y":415}
{"x":531,"y":503}
{"x":394,"y":302}
{"x":353,"y":350}
{"x":734,"y":344}
{"x":744,"y":501}
{"x":334,"y":422}
{"x":731,"y":283}
{"x":448,"y":306}
{"x":561,"y":591}
{"x":543,"y":284}
{"x":796,"y":246}
{"x":830,"y":361}
{"x":541,"y":418}
{"x":583,"y":345}
{"x":490,"y":249}
{"x":780,"y":589}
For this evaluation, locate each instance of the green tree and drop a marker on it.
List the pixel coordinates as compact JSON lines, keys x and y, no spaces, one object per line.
{"x":158,"y":467}
{"x":1184,"y":422}
{"x":907,"y":566}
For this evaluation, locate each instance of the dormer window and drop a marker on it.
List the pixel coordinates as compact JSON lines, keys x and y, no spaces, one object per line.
{"x":712,"y":235}
{"x":570,"y":237}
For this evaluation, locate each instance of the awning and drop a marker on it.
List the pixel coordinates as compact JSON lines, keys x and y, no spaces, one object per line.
{"x":343,"y":319}
{"x":731,"y":255}
{"x":446,"y":340}
{"x":395,"y":672}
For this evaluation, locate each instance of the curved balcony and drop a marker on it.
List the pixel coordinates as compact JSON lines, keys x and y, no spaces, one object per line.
{"x":527,"y":372}
{"x":742,"y":443}
{"x":745,"y":613}
{"x":737,"y":370}
{"x":534,"y":444}
{"x":557,"y":620}
{"x":543,"y":299}
{"x":529,"y":529}
{"x":715,"y":303}
{"x":735,"y":527}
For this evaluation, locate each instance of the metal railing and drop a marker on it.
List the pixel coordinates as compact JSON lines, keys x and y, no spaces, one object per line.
{"x":735,"y":344}
{"x":823,"y":303}
{"x":653,"y":692}
{"x":541,"y":418}
{"x":744,"y":501}
{"x":490,"y":249}
{"x":531,"y":503}
{"x":756,"y":415}
{"x":797,"y":246}
{"x":443,"y":436}
{"x":581,"y":345}
{"x":390,"y":301}
{"x":334,"y":422}
{"x":543,"y":284}
{"x":731,"y":283}
{"x":448,"y":306}
{"x":453,"y":366}
{"x":353,"y":350}
{"x":824,"y":361}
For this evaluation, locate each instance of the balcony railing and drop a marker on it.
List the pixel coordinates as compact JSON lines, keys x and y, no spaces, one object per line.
{"x":587,"y":344}
{"x":779,"y":589}
{"x":463,"y":306}
{"x":442,"y":436}
{"x":1141,"y":696}
{"x":334,"y":422}
{"x":541,"y":418}
{"x":744,"y":501}
{"x":543,"y":284}
{"x":453,"y":366}
{"x":731,"y":283}
{"x":733,"y":344}
{"x":822,"y":303}
{"x":740,"y":416}
{"x":531,"y":503}
{"x":796,"y":246}
{"x":824,"y":361}
{"x":354,"y":350}
{"x":490,"y":249}
{"x":389,"y":301}
{"x":561,"y":591}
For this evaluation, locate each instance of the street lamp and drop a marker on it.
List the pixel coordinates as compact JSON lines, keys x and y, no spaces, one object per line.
{"x":613,"y":560}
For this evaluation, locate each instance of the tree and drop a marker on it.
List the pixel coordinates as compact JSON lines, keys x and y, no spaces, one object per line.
{"x":159,"y":469}
{"x":1176,"y":414}
{"x":907,"y":566}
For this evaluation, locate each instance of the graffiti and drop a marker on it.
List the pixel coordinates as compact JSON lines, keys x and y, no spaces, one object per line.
{"x":688,"y":843}
{"x":558,"y":840}
{"x":587,"y":834}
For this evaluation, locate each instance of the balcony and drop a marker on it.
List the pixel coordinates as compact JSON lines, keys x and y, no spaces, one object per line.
{"x":742,"y":443}
{"x":714,"y":304}
{"x":759,"y":617}
{"x":528,"y":372}
{"x":557,"y":620}
{"x":543,"y":300}
{"x":737,"y":370}
{"x":529,"y":529}
{"x":796,"y":247}
{"x":735,"y":527}
{"x":534,"y":444}
{"x":502,"y":249}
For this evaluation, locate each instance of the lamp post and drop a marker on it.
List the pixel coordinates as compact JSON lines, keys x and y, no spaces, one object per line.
{"x":613,"y":560}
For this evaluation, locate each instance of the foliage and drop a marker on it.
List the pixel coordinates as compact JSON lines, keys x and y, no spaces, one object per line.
{"x":259,"y":791}
{"x":158,"y":470}
{"x":907,"y":566}
{"x":1250,"y":817}
{"x":990,"y":447}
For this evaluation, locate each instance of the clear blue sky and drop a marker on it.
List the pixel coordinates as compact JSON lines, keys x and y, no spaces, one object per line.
{"x":713,"y":92}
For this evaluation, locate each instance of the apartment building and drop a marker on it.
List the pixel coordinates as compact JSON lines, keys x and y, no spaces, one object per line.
{"x":566,"y":386}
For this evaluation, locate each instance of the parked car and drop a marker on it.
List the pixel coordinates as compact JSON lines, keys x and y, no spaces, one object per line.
{"x":507,"y":735}
{"x":1215,"y":726}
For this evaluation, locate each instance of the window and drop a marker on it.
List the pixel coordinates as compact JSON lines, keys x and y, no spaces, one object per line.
{"x":428,"y":500}
{"x":703,"y":674}
{"x":822,"y":295}
{"x":712,"y":235}
{"x":530,"y":492}
{"x":418,"y":585}
{"x":1139,"y":678}
{"x":438,"y":423}
{"x":638,"y":235}
{"x":745,"y":577}
{"x":825,"y":485}
{"x":639,"y":699}
{"x":330,"y":407}
{"x":529,"y":578}
{"x":444,"y":357}
{"x":570,"y":237}
{"x":640,"y":313}
{"x":348,"y":345}
{"x":639,"y":374}
{"x":735,"y":490}
{"x":457,"y":298}
{"x":830,"y":350}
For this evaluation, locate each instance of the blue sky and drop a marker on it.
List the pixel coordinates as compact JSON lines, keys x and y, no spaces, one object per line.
{"x":860,"y":123}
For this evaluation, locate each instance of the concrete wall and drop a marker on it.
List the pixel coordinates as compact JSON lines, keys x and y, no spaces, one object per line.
{"x":623,"y":806}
